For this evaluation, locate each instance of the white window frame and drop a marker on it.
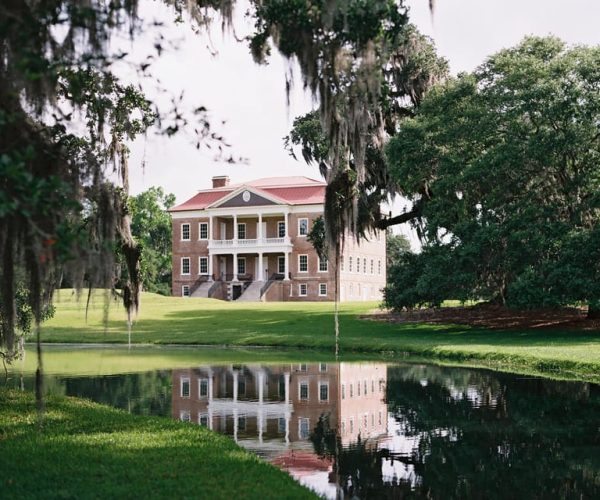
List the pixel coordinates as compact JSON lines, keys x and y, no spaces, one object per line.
{"x":300,"y":225}
{"x":302,"y":420}
{"x":200,"y":381}
{"x":299,"y":265}
{"x":372,"y":266}
{"x":305,"y":294}
{"x":240,"y":259}
{"x":323,"y":261}
{"x":200,"y":259}
{"x":321,"y":294}
{"x":379,"y":267}
{"x":202,"y":416}
{"x":185,"y":416}
{"x":350,"y":264}
{"x":200,"y":225}
{"x":324,"y":384}
{"x":343,"y":391}
{"x":280,"y":268}
{"x":300,"y":384}
{"x":189,"y":238}
{"x":279,"y":224}
{"x":238,"y":231}
{"x":364,"y":265}
{"x":182,"y":380}
{"x":183,"y":288}
{"x":189,"y":266}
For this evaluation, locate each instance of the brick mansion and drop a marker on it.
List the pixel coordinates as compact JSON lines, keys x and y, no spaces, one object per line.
{"x":249,"y":241}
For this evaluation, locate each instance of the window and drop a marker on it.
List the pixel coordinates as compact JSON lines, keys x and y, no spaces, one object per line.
{"x":185,"y":232}
{"x":303,"y":389}
{"x":203,"y":419}
{"x":303,"y":289}
{"x":241,"y":265}
{"x":242,"y":231}
{"x":242,"y":423}
{"x":281,"y":425}
{"x":202,"y":387}
{"x":323,"y":265}
{"x":185,"y":265}
{"x":365,"y":386}
{"x":203,"y":231}
{"x":323,"y":391}
{"x":203,"y":265}
{"x":379,"y":267}
{"x":358,"y":388}
{"x":365,"y":265}
{"x":184,"y":416}
{"x":366,"y":421}
{"x":322,"y":289}
{"x":242,"y":386}
{"x":350,"y":265}
{"x":322,"y":367}
{"x":302,"y":227}
{"x":303,"y":428}
{"x":281,"y":265}
{"x":372,"y":386}
{"x":280,"y":229}
{"x":303,"y":367}
{"x":380,"y":418}
{"x":185,"y":291}
{"x":343,"y":391}
{"x":372,"y":268}
{"x":343,"y":427}
{"x":342,"y":262}
{"x":302,"y":263}
{"x":185,"y":388}
{"x":351,"y":391}
{"x":351,"y":425}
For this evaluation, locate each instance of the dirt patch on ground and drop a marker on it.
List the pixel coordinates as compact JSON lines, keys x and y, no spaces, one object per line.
{"x":494,"y":317}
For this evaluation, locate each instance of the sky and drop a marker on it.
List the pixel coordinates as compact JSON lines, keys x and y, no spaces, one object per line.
{"x":247,"y":103}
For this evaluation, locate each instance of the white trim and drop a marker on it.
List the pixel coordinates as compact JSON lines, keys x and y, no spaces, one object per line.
{"x":319,"y":265}
{"x":327,"y":385}
{"x":245,"y":231}
{"x":189,"y":266}
{"x":279,"y":259}
{"x":200,"y":395}
{"x":302,"y":255}
{"x":200,"y":238}
{"x":241,"y":189}
{"x":307,"y":231}
{"x":237,"y":264}
{"x":278,"y":209}
{"x":181,"y":382}
{"x":305,"y":294}
{"x":300,"y":383}
{"x":322,"y":294}
{"x":188,"y":290}
{"x":189,"y":238}
{"x":200,"y":265}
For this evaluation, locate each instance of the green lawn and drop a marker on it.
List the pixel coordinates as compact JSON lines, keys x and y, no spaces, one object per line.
{"x":174,"y":320}
{"x":85,"y":450}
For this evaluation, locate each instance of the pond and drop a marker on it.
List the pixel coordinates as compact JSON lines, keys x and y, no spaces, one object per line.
{"x":359,"y":428}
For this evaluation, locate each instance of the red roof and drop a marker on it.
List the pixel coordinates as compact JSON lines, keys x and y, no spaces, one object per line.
{"x":287,"y":190}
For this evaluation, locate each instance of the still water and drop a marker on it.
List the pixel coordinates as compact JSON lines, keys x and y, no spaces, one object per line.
{"x":373,"y":429}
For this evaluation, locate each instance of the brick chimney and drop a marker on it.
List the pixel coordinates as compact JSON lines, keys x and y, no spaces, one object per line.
{"x":220,"y":181}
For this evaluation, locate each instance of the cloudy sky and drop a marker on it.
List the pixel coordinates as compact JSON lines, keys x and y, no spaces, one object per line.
{"x":217,"y":72}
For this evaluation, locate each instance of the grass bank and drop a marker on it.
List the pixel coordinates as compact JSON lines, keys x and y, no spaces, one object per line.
{"x":173,"y":320}
{"x":85,"y":450}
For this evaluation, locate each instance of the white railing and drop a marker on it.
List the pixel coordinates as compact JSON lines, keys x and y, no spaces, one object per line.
{"x":250,"y":242}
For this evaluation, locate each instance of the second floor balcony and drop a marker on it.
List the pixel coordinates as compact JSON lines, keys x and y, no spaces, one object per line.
{"x":228,"y":245}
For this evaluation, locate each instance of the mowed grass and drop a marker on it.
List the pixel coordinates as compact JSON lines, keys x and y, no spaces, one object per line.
{"x":85,"y":450}
{"x":174,"y":320}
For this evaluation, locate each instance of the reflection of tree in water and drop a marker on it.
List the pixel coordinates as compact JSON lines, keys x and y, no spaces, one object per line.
{"x":357,"y":469}
{"x":478,"y":435}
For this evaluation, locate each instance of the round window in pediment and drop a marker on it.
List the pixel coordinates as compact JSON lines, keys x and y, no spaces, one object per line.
{"x":246,"y":196}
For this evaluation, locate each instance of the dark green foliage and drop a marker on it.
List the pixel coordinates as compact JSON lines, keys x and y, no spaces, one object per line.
{"x":505,"y":162}
{"x":151,"y":229}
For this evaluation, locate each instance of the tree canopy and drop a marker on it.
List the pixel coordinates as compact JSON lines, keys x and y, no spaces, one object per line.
{"x":503,"y":164}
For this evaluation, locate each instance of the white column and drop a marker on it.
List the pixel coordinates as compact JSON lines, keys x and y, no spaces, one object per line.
{"x":235,"y":266}
{"x":260,"y":267}
{"x":287,"y":427}
{"x":235,"y":386}
{"x":260,"y":235}
{"x":286,"y":276}
{"x":235,"y":230}
{"x":235,"y":424}
{"x":286,"y":378}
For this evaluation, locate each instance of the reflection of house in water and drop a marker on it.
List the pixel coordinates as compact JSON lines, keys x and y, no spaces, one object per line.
{"x":273,"y":409}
